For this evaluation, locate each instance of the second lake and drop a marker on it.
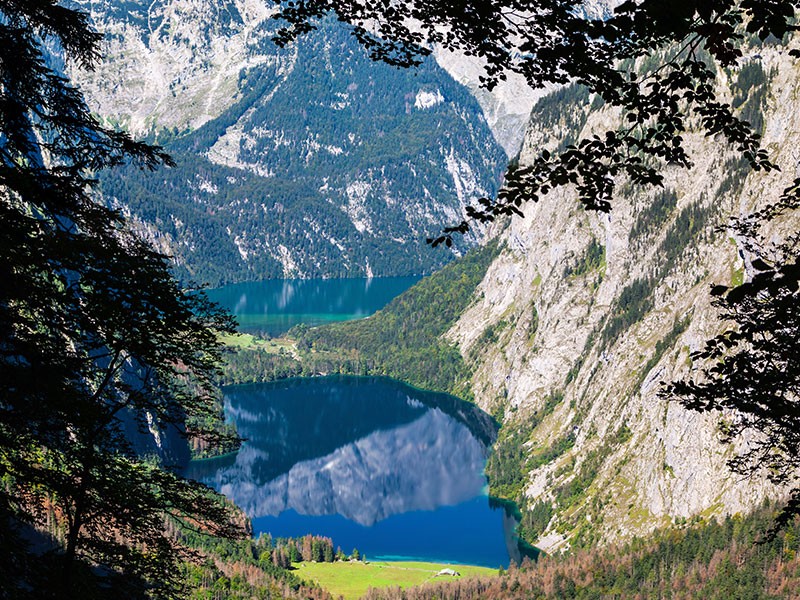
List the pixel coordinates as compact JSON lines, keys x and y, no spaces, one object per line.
{"x":274,"y":306}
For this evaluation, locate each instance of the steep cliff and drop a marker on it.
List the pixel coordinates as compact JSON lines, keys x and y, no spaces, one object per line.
{"x":582,"y":316}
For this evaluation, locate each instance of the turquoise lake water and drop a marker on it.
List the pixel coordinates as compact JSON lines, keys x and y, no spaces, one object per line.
{"x":370,"y":462}
{"x":274,"y":306}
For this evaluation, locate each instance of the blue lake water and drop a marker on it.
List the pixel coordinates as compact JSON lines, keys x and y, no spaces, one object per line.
{"x":274,"y":306}
{"x":370,"y":462}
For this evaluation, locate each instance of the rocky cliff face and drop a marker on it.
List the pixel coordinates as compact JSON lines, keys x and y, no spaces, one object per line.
{"x":507,"y":108}
{"x":173,"y":64}
{"x":583,"y":315}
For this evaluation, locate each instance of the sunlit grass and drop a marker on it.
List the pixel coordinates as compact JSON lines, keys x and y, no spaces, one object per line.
{"x":352,"y":579}
{"x":249,"y":341}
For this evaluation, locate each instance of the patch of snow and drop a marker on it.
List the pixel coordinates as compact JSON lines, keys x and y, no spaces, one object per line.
{"x":428,"y":99}
{"x":356,"y":209}
{"x":290,"y":268}
{"x":151,"y":426}
{"x":240,"y":245}
{"x":342,"y":102}
{"x":208,"y":186}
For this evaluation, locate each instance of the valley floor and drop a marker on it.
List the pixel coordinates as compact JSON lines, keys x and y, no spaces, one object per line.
{"x":352,"y":579}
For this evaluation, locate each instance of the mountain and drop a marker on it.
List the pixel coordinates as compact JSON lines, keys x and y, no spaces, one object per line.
{"x":582,"y":316}
{"x":578,"y":318}
{"x":311,"y":161}
{"x":566,"y":325}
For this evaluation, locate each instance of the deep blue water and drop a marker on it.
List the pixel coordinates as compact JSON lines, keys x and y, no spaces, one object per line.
{"x":274,"y":306}
{"x":467,"y":533}
{"x":370,"y":462}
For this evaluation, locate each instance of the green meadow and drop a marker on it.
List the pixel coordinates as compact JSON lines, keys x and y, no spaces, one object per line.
{"x":248,"y":341}
{"x":352,"y":579}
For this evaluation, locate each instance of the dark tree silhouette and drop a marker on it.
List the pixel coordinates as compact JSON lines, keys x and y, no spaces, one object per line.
{"x":751,"y":371}
{"x":95,"y":334}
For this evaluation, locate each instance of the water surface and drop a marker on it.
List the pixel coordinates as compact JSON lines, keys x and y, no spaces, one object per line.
{"x":370,"y":462}
{"x":274,"y":306}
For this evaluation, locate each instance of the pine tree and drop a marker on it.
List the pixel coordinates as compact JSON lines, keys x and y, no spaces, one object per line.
{"x":307,"y":549}
{"x":95,"y":335}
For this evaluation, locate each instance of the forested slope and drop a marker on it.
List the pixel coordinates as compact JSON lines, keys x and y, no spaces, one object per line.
{"x":310,"y":161}
{"x":403,"y":340}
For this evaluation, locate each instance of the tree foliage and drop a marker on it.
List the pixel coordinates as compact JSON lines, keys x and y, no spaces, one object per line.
{"x":751,"y":370}
{"x":557,"y":42}
{"x":97,"y":341}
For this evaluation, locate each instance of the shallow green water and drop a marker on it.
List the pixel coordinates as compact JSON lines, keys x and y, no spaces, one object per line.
{"x":272,"y":307}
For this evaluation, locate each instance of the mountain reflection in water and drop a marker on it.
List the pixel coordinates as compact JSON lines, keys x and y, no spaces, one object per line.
{"x":366,"y":449}
{"x":428,"y":463}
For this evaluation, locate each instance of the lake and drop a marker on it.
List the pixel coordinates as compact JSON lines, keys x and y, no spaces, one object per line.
{"x":274,"y":306}
{"x":370,"y":462}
